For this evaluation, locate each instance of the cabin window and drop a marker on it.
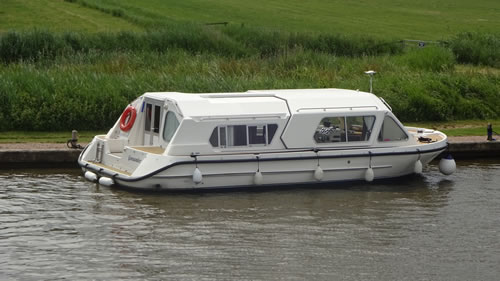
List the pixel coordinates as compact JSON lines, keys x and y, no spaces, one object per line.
{"x":243,"y":135}
{"x":391,"y":131}
{"x":257,"y":134}
{"x":237,"y":135}
{"x":214,"y":138}
{"x":170,"y":126}
{"x":341,"y":129}
{"x":149,"y":110}
{"x":156,"y":120}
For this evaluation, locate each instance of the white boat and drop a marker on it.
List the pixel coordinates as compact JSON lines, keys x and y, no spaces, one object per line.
{"x":178,"y":141}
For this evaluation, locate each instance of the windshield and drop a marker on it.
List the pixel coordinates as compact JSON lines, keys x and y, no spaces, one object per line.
{"x":170,"y":126}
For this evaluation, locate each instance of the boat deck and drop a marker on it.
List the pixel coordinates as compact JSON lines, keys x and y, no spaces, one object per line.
{"x":429,"y":137}
{"x":150,"y":149}
{"x":110,"y":168}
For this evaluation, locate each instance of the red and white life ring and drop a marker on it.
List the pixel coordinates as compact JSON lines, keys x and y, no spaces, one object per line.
{"x":128,"y":118}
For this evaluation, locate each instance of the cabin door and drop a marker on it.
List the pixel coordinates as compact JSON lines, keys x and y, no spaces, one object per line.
{"x":152,"y":123}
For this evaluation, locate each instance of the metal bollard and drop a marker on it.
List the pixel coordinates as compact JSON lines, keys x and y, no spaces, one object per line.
{"x":74,"y":136}
{"x":73,"y":142}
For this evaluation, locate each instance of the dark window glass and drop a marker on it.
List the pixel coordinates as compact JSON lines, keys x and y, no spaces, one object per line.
{"x":149,"y":109}
{"x":222,"y":136}
{"x":257,"y":134}
{"x":214,"y":138}
{"x":242,"y":135}
{"x":272,"y":130}
{"x":156,"y":127}
{"x":239,"y":135}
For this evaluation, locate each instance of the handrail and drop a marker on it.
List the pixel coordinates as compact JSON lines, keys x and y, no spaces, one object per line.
{"x":239,"y":95}
{"x":339,"y":107}
{"x":253,"y":116}
{"x":386,"y":104}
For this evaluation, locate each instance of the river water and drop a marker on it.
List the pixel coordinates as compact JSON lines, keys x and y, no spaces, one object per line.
{"x":54,"y":225}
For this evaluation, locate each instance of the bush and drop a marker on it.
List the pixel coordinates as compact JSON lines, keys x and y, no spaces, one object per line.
{"x":228,"y":41}
{"x":477,"y":48}
{"x":441,"y":96}
{"x":32,"y":45}
{"x":432,"y":58}
{"x":63,"y":81}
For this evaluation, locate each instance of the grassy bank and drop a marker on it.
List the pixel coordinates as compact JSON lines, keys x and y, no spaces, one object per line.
{"x":239,"y":42}
{"x":460,"y":128}
{"x":425,"y":19}
{"x":88,"y":91}
{"x":46,"y":137}
{"x":84,"y":80}
{"x":231,"y":42}
{"x":57,"y":15}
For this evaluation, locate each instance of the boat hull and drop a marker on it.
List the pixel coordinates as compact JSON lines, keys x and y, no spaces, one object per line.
{"x":300,"y":167}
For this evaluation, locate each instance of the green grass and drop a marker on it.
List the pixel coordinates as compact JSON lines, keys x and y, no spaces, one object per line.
{"x":57,"y":15}
{"x":460,"y":128}
{"x":422,"y":19}
{"x":459,"y":132}
{"x":45,"y":137}
{"x":54,"y":79}
{"x":88,"y":91}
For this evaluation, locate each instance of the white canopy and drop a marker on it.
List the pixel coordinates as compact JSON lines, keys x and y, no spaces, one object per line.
{"x":268,"y":102}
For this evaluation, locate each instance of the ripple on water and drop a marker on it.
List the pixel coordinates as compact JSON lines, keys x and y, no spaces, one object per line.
{"x":55,"y":225}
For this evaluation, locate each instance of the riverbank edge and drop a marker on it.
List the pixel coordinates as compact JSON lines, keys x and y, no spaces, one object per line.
{"x":64,"y":157}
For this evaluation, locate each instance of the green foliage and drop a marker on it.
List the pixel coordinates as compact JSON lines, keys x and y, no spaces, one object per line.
{"x":443,"y":96}
{"x":59,"y":16}
{"x":432,"y":58}
{"x":46,"y":136}
{"x":272,"y":43}
{"x":89,"y":90}
{"x":477,"y":48}
{"x":424,"y":19}
{"x":33,"y":45}
{"x":65,"y":80}
{"x":196,"y":39}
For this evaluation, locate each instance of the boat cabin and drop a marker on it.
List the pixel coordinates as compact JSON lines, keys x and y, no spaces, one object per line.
{"x":259,"y":121}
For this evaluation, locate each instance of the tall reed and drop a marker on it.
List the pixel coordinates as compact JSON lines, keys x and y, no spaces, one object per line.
{"x":90,"y":89}
{"x":477,"y":48}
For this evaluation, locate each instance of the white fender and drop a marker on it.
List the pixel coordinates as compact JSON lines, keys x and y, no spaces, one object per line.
{"x":258,"y":178}
{"x":418,"y":167}
{"x":447,"y":165}
{"x":197,"y":176}
{"x":318,"y":173}
{"x":90,"y":176}
{"x":106,"y":181}
{"x":369,"y":175}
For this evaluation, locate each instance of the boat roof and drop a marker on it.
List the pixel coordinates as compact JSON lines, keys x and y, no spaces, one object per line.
{"x":269,"y":102}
